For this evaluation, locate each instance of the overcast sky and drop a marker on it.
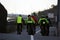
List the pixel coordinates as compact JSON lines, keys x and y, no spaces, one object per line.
{"x":27,"y":6}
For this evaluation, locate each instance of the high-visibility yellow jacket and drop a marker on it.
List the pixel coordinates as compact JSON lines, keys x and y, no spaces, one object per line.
{"x":30,"y":21}
{"x":43,"y":19}
{"x":19,"y":19}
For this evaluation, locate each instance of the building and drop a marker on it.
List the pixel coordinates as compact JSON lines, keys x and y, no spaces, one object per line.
{"x":51,"y":10}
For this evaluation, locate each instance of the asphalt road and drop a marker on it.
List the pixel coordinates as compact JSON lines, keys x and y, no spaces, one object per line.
{"x":25,"y":36}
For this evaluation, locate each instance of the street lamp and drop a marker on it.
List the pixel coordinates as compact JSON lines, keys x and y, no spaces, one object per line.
{"x":58,"y":18}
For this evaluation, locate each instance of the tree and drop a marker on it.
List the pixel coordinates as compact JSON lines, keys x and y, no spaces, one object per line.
{"x":3,"y":18}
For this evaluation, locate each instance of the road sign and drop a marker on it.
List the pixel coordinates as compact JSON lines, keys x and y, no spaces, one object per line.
{"x":51,"y":15}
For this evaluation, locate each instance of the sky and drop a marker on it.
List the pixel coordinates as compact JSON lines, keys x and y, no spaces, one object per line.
{"x":26,"y":7}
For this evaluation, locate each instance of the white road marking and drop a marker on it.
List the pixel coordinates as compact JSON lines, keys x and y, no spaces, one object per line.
{"x":32,"y":37}
{"x":37,"y":31}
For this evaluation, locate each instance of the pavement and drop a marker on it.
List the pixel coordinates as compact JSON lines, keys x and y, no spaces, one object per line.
{"x":24,"y":35}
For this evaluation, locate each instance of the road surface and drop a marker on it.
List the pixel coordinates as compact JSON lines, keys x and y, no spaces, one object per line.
{"x":25,"y":36}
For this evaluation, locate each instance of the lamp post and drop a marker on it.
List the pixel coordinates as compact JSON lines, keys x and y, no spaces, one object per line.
{"x":58,"y":19}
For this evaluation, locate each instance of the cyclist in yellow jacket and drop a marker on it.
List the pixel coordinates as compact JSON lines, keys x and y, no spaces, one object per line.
{"x":30,"y":25}
{"x":19,"y":24}
{"x":43,"y":25}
